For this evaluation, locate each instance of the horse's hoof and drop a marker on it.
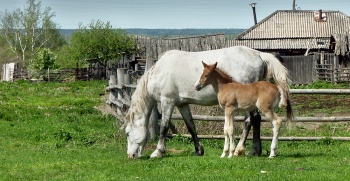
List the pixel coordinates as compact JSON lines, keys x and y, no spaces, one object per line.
{"x":229,"y":156}
{"x":157,"y":154}
{"x":200,"y":150}
{"x":254,"y":152}
{"x":272,"y":155}
{"x":223,"y":155}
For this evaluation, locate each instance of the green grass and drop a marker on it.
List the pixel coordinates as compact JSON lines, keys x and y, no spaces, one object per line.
{"x":54,"y":131}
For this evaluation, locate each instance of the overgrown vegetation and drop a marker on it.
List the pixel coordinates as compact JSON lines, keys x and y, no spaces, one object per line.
{"x":57,"y":131}
{"x":323,"y":85}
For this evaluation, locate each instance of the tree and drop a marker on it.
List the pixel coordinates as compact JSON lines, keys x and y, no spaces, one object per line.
{"x":101,"y":42}
{"x":6,"y":55}
{"x":44,"y":59}
{"x":28,"y":30}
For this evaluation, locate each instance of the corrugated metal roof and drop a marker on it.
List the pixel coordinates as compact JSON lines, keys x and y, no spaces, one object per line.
{"x":298,"y":24}
{"x":299,"y":29}
{"x":305,"y":43}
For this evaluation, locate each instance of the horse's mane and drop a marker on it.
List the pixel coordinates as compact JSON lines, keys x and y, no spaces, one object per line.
{"x":138,"y":99}
{"x":225,"y":75}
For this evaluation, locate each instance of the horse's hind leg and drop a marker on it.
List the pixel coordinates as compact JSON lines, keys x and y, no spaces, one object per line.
{"x":256,"y":147}
{"x":276,"y":123}
{"x":187,"y":116}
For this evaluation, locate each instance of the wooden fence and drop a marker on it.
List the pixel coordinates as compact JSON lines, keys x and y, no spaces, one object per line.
{"x":303,"y":69}
{"x":120,"y":91}
{"x":152,"y":48}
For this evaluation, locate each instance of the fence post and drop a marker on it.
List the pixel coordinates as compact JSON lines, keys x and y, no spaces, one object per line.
{"x":335,"y":68}
{"x":120,"y":82}
{"x":48,"y":75}
{"x":127,"y":80}
{"x":112,"y":93}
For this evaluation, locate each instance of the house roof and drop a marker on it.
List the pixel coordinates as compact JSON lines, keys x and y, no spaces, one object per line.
{"x":299,"y":29}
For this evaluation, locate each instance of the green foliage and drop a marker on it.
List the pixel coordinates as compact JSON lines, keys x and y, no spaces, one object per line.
{"x":322,"y":85}
{"x":44,"y":59}
{"x":101,"y":42}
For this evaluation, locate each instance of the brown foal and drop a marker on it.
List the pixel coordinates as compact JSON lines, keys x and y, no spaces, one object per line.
{"x":234,"y":96}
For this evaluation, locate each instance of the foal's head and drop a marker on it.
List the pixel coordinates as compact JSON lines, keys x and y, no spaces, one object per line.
{"x":204,"y":79}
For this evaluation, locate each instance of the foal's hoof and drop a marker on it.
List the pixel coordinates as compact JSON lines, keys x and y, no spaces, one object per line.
{"x":239,"y":152}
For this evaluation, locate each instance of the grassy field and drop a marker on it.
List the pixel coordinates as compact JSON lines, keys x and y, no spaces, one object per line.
{"x":58,"y":131}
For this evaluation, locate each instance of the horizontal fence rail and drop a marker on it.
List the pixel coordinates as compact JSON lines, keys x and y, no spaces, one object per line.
{"x":288,"y":138}
{"x":320,"y":91}
{"x":263,"y":118}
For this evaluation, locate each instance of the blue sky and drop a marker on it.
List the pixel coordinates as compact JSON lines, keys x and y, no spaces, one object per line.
{"x":177,"y":14}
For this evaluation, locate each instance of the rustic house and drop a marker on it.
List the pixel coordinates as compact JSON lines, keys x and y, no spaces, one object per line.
{"x":313,"y":44}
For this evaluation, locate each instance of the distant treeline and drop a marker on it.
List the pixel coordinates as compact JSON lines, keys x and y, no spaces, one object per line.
{"x":182,"y":32}
{"x":168,"y":33}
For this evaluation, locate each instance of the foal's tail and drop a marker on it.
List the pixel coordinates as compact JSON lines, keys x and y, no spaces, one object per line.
{"x":279,"y":73}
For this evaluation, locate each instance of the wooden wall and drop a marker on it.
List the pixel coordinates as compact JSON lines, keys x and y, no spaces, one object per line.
{"x":301,"y":68}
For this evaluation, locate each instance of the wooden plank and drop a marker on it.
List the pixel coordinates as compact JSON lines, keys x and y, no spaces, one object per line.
{"x":111,"y":87}
{"x":263,"y":118}
{"x":290,"y":138}
{"x":320,"y":91}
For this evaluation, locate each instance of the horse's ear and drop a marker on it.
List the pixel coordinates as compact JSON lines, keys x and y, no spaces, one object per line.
{"x":216,"y":63}
{"x":204,"y":65}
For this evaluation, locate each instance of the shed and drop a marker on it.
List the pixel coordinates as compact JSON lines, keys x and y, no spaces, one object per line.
{"x":295,"y":32}
{"x":313,"y":44}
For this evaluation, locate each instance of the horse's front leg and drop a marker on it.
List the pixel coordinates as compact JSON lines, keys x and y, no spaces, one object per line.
{"x":187,"y":116}
{"x":240,"y":149}
{"x":167,"y":107}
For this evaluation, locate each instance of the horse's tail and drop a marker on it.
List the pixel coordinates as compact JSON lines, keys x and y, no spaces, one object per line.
{"x":279,"y":73}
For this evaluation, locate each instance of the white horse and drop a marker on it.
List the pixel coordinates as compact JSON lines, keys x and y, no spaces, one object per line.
{"x":170,"y":81}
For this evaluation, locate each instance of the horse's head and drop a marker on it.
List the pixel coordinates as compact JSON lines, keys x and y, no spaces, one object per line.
{"x":205,"y":76}
{"x":137,"y":134}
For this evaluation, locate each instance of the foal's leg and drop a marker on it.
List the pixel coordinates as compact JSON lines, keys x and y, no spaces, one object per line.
{"x":231,"y":135}
{"x":246,"y":128}
{"x":276,"y":123}
{"x":167,"y":107}
{"x":226,"y":144}
{"x":228,"y":133}
{"x":187,"y":116}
